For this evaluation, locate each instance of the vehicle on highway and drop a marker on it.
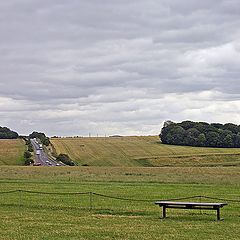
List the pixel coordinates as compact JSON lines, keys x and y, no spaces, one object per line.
{"x":38,"y":152}
{"x":37,"y":164}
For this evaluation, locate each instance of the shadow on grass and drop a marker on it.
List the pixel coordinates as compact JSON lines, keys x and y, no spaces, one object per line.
{"x":99,"y":211}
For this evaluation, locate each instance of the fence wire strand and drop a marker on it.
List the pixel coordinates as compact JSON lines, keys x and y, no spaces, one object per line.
{"x":119,"y":198}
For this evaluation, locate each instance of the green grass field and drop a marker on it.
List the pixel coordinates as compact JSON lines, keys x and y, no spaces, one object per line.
{"x":53,"y":209}
{"x":53,"y":216}
{"x":142,"y":151}
{"x":11,"y":152}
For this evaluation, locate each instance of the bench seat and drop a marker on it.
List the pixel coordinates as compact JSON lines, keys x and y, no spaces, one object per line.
{"x":191,"y":205}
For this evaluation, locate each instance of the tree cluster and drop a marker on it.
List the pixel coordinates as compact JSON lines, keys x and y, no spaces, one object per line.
{"x":201,"y":134}
{"x":6,"y":133}
{"x":64,"y":158}
{"x":43,"y":138}
{"x":28,"y":158}
{"x":28,"y":143}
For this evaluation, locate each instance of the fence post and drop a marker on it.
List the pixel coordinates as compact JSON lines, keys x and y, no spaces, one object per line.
{"x":200,"y":202}
{"x":20,"y":198}
{"x":19,"y":202}
{"x":90,"y":201}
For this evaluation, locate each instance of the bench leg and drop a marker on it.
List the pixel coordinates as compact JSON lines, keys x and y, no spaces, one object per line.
{"x":218,"y":214}
{"x":164,"y":212}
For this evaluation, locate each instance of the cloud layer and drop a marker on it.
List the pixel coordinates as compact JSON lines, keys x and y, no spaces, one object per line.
{"x":117,"y":67}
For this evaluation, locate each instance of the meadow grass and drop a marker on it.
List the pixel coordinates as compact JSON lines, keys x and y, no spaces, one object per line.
{"x":142,"y":151}
{"x":203,"y":175}
{"x":44,"y":216}
{"x":11,"y":151}
{"x":183,"y":172}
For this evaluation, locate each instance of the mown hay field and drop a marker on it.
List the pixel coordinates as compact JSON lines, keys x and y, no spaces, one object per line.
{"x":11,"y":152}
{"x":142,"y":151}
{"x":41,"y":215}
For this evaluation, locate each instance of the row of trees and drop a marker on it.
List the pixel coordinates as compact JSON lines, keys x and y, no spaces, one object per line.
{"x":6,"y":133}
{"x":39,"y":135}
{"x":28,"y":143}
{"x":201,"y":134}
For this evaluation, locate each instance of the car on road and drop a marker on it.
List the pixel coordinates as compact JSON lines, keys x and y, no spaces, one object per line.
{"x":37,"y":164}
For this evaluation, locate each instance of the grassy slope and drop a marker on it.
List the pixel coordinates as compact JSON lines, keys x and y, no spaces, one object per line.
{"x":36,"y":216}
{"x":142,"y":151}
{"x":11,"y":152}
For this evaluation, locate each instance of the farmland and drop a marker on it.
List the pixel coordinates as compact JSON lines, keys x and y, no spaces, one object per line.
{"x":34,"y":215}
{"x":114,"y":198}
{"x":11,"y":152}
{"x":142,"y":151}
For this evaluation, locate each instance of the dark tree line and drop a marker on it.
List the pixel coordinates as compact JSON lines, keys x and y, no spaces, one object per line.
{"x":28,"y":143}
{"x":6,"y":133}
{"x":28,"y":158}
{"x":43,"y":138}
{"x":64,"y":158}
{"x":201,"y":134}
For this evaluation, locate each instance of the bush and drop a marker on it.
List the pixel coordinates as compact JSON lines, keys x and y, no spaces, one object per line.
{"x":30,"y":148}
{"x":27,"y":158}
{"x":27,"y":154}
{"x":28,"y":161}
{"x":64,"y":158}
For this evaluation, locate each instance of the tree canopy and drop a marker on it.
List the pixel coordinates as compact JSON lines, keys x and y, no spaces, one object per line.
{"x":201,"y":134}
{"x":44,"y":140}
{"x":6,"y":133}
{"x":65,"y":159}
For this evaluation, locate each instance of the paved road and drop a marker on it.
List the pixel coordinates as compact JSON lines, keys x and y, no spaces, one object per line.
{"x":42,"y":157}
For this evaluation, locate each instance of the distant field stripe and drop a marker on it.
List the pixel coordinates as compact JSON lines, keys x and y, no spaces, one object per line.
{"x":141,"y":151}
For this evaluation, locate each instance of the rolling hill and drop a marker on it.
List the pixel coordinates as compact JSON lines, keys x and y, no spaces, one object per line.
{"x":11,"y":151}
{"x":142,"y":151}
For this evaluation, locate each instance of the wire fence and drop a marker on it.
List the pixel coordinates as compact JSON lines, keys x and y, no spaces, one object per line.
{"x":88,"y":200}
{"x":22,"y":202}
{"x":32,"y":203}
{"x":118,"y":198}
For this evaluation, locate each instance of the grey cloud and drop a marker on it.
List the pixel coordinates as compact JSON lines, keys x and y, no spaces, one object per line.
{"x":67,"y":67}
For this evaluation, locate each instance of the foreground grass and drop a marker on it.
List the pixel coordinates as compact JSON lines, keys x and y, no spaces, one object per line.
{"x":142,"y":151}
{"x":44,"y":216}
{"x":11,"y":152}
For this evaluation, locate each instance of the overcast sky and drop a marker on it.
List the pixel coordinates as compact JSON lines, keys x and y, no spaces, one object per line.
{"x":74,"y":67}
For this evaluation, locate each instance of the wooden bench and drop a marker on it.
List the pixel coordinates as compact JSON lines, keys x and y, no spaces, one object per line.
{"x":190,"y":205}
